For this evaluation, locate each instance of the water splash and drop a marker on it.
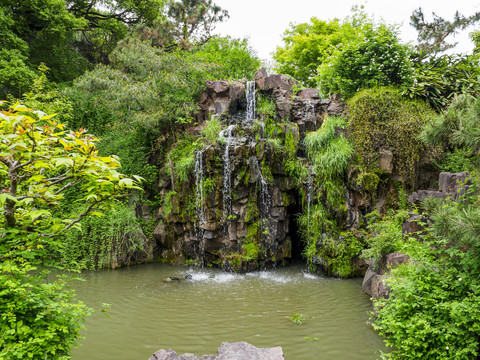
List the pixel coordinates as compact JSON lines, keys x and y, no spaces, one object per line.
{"x":251,"y":102}
{"x":227,"y":170}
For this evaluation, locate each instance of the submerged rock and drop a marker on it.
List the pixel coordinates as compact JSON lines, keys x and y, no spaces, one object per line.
{"x":227,"y":351}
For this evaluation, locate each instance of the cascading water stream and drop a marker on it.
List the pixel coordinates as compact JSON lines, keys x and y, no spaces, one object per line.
{"x":264,"y":196}
{"x":199,"y":201}
{"x":251,"y":102}
{"x":227,"y":171}
{"x":309,"y":112}
{"x":309,"y":202}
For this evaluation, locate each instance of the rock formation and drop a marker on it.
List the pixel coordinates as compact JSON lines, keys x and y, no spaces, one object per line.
{"x":227,"y":351}
{"x":244,"y":219}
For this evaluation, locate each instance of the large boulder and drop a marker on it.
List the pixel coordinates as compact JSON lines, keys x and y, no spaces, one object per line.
{"x":374,"y":281}
{"x":227,"y":351}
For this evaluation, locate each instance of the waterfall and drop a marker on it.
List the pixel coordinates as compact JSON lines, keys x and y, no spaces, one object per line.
{"x":199,"y":186}
{"x":227,"y":171}
{"x":250,"y":95}
{"x":309,"y":112}
{"x":309,"y":202}
{"x":264,"y":195}
{"x":199,"y":203}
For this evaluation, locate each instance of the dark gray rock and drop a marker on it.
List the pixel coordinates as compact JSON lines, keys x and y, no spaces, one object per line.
{"x":374,"y":280}
{"x":309,"y":94}
{"x":420,"y":195}
{"x":245,"y":351}
{"x":386,"y":160}
{"x":450,"y":183}
{"x":227,"y":351}
{"x":413,"y":225}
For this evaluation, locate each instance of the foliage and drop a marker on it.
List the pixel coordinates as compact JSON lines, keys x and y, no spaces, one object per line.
{"x":309,"y":45}
{"x":194,"y":20}
{"x":211,"y":130}
{"x":15,"y":73}
{"x":46,"y":97}
{"x":296,"y":170}
{"x":114,"y":239}
{"x":234,"y":58}
{"x":433,"y":307}
{"x":439,"y":79}
{"x":458,"y":160}
{"x":39,"y":319}
{"x":266,"y":107}
{"x":380,"y":119}
{"x":457,"y":126}
{"x":385,"y":234}
{"x":298,"y":319}
{"x":39,"y":161}
{"x":375,"y":59}
{"x":330,"y":155}
{"x":40,"y":31}
{"x":181,"y":159}
{"x":432,"y":35}
{"x":108,"y":21}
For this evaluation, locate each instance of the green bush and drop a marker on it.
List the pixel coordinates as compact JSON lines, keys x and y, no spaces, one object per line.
{"x":434,"y":302}
{"x":108,"y":241}
{"x":234,"y":58}
{"x":385,"y":234}
{"x":39,"y":319}
{"x":439,"y":79}
{"x":381,"y":119}
{"x":375,"y":59}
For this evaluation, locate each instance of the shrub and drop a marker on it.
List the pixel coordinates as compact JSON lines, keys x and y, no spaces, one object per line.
{"x":375,"y":59}
{"x":380,"y":119}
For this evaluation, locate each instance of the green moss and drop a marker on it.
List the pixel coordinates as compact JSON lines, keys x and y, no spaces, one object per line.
{"x":291,"y":142}
{"x":382,"y":119}
{"x":250,"y":251}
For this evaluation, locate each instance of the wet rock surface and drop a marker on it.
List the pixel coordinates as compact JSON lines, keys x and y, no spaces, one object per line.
{"x":227,"y":351}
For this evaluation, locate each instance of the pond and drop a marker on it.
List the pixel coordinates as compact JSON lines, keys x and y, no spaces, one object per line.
{"x":196,"y":316}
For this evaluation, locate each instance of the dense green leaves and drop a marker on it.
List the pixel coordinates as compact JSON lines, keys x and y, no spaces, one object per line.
{"x":380,"y":119}
{"x":38,"y":319}
{"x":308,"y":45}
{"x":439,"y":79}
{"x":375,"y":59}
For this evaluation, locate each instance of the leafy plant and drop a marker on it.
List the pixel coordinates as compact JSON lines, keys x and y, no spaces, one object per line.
{"x":385,"y":234}
{"x":298,"y":319}
{"x":39,"y":160}
{"x":375,"y":59}
{"x":211,"y":130}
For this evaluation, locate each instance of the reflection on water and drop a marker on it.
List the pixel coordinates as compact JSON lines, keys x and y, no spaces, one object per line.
{"x":195,"y":316}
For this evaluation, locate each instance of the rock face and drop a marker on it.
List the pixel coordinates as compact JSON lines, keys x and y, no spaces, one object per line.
{"x":237,"y":210}
{"x":373,"y":282}
{"x":451,"y":185}
{"x":227,"y":351}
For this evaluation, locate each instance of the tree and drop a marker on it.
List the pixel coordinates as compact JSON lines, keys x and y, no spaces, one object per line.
{"x":309,"y":45}
{"x":39,"y":161}
{"x":194,"y":20}
{"x":108,"y":22}
{"x":432,"y":35}
{"x":375,"y":58}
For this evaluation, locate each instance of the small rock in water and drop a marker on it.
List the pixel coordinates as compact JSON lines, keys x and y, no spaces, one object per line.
{"x":227,"y":351}
{"x":171,"y":279}
{"x":188,"y":277}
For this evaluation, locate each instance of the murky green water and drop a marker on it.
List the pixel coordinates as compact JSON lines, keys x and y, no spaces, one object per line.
{"x":196,"y":316}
